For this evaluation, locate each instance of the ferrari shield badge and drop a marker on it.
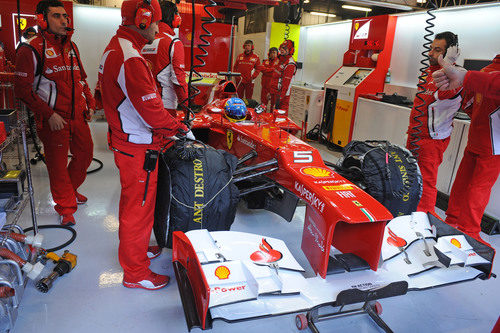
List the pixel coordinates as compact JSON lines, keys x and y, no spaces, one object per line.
{"x":229,"y":137}
{"x":23,"y":23}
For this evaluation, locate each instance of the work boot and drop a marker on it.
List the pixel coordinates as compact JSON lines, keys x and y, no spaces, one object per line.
{"x":80,"y":198}
{"x":153,"y":251}
{"x":67,"y":220}
{"x":153,"y":282}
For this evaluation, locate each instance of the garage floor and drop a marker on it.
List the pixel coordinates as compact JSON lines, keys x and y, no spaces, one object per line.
{"x":92,"y":299}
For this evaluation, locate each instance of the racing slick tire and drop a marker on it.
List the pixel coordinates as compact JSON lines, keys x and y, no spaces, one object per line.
{"x":195,"y":191}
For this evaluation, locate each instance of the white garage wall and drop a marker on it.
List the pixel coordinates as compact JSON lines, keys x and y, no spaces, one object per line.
{"x":477,"y":27}
{"x":322,"y":48}
{"x":94,"y":27}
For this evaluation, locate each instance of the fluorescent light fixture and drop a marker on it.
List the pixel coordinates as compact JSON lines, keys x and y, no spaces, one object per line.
{"x":421,"y":1}
{"x":322,"y":14}
{"x":382,"y":4}
{"x":307,"y":1}
{"x":362,"y":9}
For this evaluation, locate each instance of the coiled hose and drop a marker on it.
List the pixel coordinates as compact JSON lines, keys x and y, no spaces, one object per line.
{"x":287,"y":29}
{"x":293,"y":18}
{"x":194,"y":91}
{"x":420,"y":108}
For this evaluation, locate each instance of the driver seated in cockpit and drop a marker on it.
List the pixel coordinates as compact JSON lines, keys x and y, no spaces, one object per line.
{"x":235,"y":109}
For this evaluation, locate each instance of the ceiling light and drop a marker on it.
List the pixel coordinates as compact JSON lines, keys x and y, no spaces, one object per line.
{"x":381,"y":4}
{"x":322,"y":14}
{"x":363,"y":9}
{"x":307,"y":1}
{"x":421,"y":1}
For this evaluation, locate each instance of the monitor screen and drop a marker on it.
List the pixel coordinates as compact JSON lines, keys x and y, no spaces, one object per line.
{"x":475,"y":64}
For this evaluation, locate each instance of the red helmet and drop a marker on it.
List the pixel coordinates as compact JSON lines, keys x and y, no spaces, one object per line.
{"x":289,"y":45}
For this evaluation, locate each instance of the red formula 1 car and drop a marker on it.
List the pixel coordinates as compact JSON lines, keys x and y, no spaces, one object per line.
{"x":338,"y":212}
{"x":220,"y":274}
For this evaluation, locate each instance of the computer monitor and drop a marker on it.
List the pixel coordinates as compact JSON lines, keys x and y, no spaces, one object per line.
{"x":475,"y":64}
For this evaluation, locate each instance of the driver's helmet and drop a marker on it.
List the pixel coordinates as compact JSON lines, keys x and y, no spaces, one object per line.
{"x":235,"y":109}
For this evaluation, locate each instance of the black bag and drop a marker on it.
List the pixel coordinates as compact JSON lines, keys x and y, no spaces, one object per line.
{"x":194,"y":191}
{"x":387,"y":172}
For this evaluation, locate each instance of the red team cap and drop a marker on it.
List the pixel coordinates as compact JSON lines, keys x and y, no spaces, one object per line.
{"x":130,"y":10}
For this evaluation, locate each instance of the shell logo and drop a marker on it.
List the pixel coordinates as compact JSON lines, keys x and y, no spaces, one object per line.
{"x":455,"y":242}
{"x":316,"y":172}
{"x":222,"y":272}
{"x":50,"y":53}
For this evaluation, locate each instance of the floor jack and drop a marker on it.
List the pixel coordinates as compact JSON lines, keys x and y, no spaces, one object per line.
{"x":65,"y":264}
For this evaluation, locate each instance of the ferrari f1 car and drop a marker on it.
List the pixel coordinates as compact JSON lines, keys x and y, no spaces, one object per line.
{"x":358,"y":252}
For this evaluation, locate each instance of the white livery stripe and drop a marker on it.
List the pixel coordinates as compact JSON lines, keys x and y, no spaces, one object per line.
{"x":132,"y":122}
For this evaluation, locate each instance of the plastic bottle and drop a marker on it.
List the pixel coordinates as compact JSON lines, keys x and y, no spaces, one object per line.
{"x":388,"y":76}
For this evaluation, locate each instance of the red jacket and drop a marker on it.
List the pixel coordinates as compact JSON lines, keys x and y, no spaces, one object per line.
{"x":484,"y":130}
{"x":487,"y":84}
{"x":166,"y":55}
{"x":282,"y":76}
{"x":50,"y":78}
{"x":2,"y":61}
{"x":267,"y":69}
{"x":132,"y":104}
{"x":439,"y":109}
{"x":246,"y":64}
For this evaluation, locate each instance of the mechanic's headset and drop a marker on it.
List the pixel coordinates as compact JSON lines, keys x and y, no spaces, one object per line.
{"x":172,"y":18}
{"x":248,"y":42}
{"x":144,"y":15}
{"x":176,"y":22}
{"x":290,"y":45}
{"x":453,"y":42}
{"x":42,"y":22}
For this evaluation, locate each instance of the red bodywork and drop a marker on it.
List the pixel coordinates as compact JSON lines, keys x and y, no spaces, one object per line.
{"x":338,"y":212}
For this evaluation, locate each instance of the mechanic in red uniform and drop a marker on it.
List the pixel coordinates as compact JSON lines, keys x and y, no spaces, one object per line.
{"x":439,"y":109}
{"x":138,"y":125}
{"x":2,"y":58}
{"x":480,"y":165}
{"x":267,"y":69}
{"x":282,"y":76}
{"x":50,"y":79}
{"x":166,"y":55}
{"x":246,"y":64}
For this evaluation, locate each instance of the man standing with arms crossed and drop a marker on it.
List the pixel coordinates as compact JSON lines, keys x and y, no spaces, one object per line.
{"x":246,"y":64}
{"x":282,"y":76}
{"x":267,"y":69}
{"x":433,"y":135}
{"x":138,"y":127}
{"x":50,"y":80}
